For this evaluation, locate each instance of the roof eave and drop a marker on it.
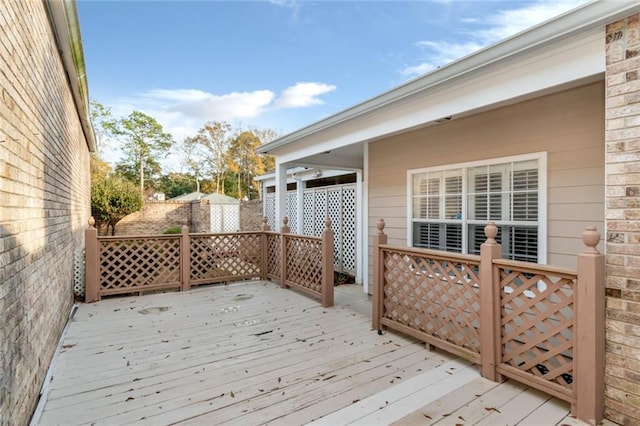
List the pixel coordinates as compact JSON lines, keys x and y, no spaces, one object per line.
{"x":63,"y":17}
{"x":588,"y":16}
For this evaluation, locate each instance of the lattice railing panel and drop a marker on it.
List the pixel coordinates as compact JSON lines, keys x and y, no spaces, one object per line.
{"x":537,"y":323}
{"x":274,"y":250}
{"x":133,"y":264}
{"x":304,"y":262}
{"x":435,"y":296}
{"x":222,"y":257}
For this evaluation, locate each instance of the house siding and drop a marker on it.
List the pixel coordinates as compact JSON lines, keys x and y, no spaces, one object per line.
{"x":44,"y":203}
{"x":568,"y":126}
{"x":622,"y":379}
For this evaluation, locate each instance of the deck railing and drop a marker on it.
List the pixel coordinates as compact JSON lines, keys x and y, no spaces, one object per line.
{"x":537,"y":324}
{"x":135,"y":264}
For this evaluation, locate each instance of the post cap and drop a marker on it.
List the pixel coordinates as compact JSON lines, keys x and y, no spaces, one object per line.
{"x":491,"y":231}
{"x":591,"y":238}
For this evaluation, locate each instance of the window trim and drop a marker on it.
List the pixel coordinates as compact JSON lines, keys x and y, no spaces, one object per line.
{"x":541,"y":157}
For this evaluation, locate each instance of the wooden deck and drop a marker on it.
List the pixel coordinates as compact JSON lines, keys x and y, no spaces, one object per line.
{"x":254,"y":353}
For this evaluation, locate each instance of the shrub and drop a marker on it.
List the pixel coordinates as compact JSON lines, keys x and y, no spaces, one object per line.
{"x":173,"y":230}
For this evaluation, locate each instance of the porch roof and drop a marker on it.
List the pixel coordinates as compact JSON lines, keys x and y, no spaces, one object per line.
{"x":254,"y":353}
{"x":564,"y":52}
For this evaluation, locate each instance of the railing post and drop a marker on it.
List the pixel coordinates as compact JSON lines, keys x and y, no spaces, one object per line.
{"x":185,"y":258}
{"x":589,"y":324}
{"x":283,"y":251}
{"x":264,"y":244}
{"x":327,"y":264}
{"x":378,"y":275}
{"x":490,"y":336}
{"x":92,"y":263}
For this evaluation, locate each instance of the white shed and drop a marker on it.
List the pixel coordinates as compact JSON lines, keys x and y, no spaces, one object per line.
{"x":224,"y":210}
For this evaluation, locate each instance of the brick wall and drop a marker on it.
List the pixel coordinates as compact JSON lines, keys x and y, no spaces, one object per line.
{"x":44,"y":203}
{"x":251,"y":215}
{"x":622,"y":381}
{"x":156,"y":216}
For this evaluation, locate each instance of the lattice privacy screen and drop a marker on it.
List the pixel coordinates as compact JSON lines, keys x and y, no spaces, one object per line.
{"x":269,"y":210}
{"x":78,"y":273}
{"x":225,"y":218}
{"x":337,"y":202}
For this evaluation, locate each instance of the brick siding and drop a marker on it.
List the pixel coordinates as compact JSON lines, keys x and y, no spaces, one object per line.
{"x":251,"y":215}
{"x":622,"y":379}
{"x":44,"y":203}
{"x":157,"y":216}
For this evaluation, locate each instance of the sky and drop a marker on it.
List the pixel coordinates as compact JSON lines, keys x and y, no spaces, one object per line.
{"x":278,"y":64}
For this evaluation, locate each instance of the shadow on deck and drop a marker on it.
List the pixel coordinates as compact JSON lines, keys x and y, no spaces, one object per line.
{"x":253,"y":353}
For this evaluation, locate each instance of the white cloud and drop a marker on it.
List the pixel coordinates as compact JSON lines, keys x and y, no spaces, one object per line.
{"x":182,"y":112}
{"x":303,"y":95}
{"x":183,"y":95}
{"x":500,"y":25}
{"x":229,"y":107}
{"x":420,"y":69}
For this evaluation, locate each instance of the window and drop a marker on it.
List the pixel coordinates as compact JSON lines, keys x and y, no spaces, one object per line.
{"x":449,"y":206}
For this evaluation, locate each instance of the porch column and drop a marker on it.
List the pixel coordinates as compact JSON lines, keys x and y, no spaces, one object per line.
{"x":281,"y":193}
{"x":622,"y":213}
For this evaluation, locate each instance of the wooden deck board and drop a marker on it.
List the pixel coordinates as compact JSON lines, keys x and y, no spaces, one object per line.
{"x":253,"y":353}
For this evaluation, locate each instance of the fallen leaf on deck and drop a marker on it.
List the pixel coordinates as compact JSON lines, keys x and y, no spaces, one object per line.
{"x":68,"y":346}
{"x":492,"y":409}
{"x":129,"y":399}
{"x":232,"y":394}
{"x":136,"y":379}
{"x":426,"y":415}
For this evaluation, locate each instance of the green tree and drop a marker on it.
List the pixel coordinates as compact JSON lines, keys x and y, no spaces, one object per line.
{"x":112,"y":198}
{"x":209,"y":146}
{"x":131,"y":173}
{"x":103,"y":123}
{"x":175,"y":184}
{"x":245,"y":163}
{"x":195,"y":158}
{"x":99,"y":169}
{"x":145,"y":142}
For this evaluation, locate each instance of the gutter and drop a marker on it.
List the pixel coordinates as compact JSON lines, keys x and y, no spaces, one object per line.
{"x":63,"y":17}
{"x":590,"y":15}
